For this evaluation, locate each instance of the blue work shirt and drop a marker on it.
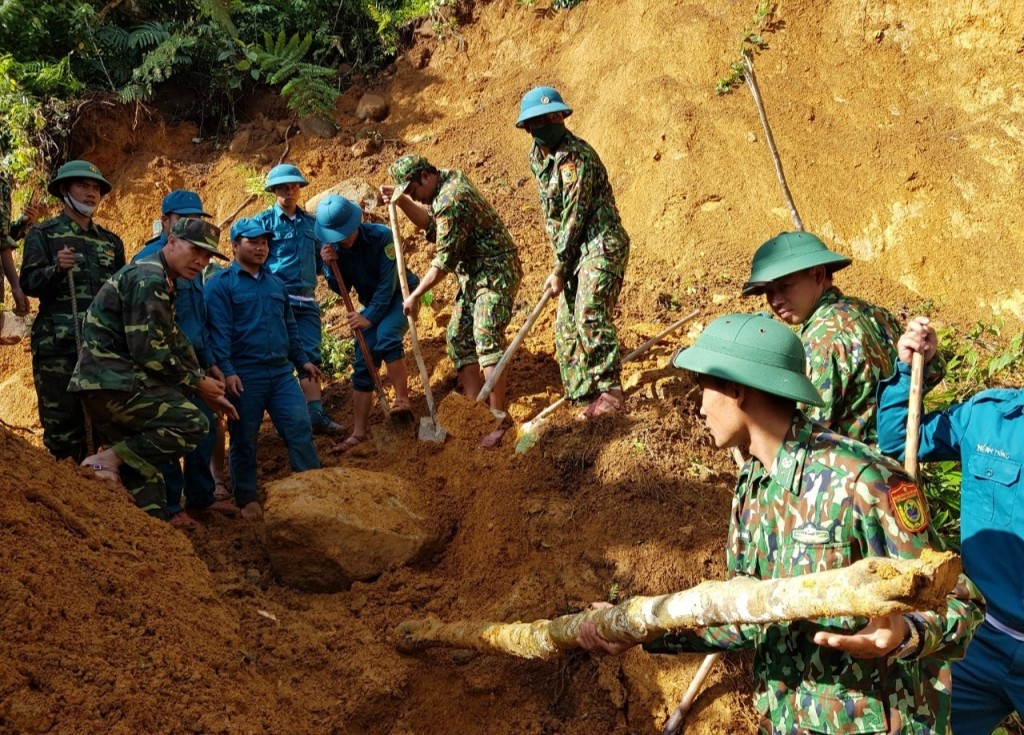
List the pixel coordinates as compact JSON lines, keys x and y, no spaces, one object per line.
{"x":369,"y":267}
{"x":250,"y":321}
{"x":189,"y":304}
{"x":294,"y":249}
{"x":986,"y":434}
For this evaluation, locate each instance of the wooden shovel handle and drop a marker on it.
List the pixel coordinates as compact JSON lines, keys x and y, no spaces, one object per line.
{"x":914,"y":416}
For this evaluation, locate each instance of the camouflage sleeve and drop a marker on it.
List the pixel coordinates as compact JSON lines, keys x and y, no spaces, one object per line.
{"x":219,"y":318}
{"x":833,"y":369}
{"x":39,"y":275}
{"x":706,"y":640}
{"x":154,"y":340}
{"x":567,"y":233}
{"x":452,"y":235}
{"x":893,"y":516}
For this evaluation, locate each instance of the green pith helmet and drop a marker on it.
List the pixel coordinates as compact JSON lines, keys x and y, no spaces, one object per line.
{"x":405,"y":170}
{"x":753,"y":350}
{"x":538,"y":102}
{"x":77,"y":170}
{"x":789,"y":252}
{"x":284,"y":173}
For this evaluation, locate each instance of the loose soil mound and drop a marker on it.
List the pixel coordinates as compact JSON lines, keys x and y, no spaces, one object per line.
{"x":110,"y":621}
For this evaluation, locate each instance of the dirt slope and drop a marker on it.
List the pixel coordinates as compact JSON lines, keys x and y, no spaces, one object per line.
{"x":897,"y":124}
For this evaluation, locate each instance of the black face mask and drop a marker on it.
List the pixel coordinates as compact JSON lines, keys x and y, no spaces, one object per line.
{"x":549,"y":136}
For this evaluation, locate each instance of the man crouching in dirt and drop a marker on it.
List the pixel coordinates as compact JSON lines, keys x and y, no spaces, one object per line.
{"x":364,"y":254}
{"x":136,"y":367}
{"x":591,"y":251}
{"x":850,"y":344}
{"x":809,"y":500}
{"x":474,"y":243}
{"x":257,"y":346}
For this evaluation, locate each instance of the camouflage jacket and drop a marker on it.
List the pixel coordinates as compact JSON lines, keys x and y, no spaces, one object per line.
{"x":850,"y":346}
{"x":471,"y":239}
{"x":131,"y":339}
{"x":99,"y":254}
{"x":581,"y":218}
{"x":10,"y":232}
{"x":827,"y":502}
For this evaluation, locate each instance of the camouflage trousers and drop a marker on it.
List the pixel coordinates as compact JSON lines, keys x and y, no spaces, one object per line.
{"x":60,"y":412}
{"x":482,"y":311}
{"x":586,"y":343}
{"x":147,"y":429}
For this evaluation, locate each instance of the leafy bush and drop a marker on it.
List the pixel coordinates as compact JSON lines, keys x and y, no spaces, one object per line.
{"x":337,"y":354}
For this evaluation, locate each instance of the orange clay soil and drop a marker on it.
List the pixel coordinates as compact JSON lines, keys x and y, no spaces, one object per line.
{"x":898,"y":126}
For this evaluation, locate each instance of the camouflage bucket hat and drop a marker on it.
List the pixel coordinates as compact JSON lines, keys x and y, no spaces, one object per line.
{"x":405,"y":170}
{"x":786,"y":253}
{"x":201,"y":234}
{"x":77,"y":170}
{"x":753,"y":350}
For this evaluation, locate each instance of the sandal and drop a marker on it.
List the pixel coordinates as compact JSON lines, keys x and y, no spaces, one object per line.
{"x":493,"y":439}
{"x":603,"y":405}
{"x":352,"y":442}
{"x":222,"y":492}
{"x":183,"y":521}
{"x":402,"y":409}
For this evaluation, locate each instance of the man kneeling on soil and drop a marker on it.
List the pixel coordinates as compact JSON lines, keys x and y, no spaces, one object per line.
{"x":809,"y":500}
{"x":136,"y":366}
{"x":257,"y":346}
{"x":365,"y":256}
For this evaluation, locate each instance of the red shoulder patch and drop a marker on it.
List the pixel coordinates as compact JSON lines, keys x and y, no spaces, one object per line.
{"x":909,"y":506}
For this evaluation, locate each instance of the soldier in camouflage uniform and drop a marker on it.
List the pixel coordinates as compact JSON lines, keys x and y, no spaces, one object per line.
{"x":70,"y":243}
{"x":473,"y":243}
{"x":591,"y":251}
{"x":10,"y":233}
{"x":806,"y":501}
{"x":136,"y":368}
{"x":850,"y":344}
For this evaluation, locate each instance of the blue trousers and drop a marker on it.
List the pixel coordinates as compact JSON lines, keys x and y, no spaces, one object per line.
{"x":307,"y":319}
{"x":197,"y":480}
{"x":272,"y":390}
{"x":385,"y":342}
{"x":988,"y":684}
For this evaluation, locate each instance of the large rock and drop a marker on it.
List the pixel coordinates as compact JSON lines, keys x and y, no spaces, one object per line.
{"x":357,"y":190}
{"x":329,"y":528}
{"x":372,"y":107}
{"x":318,"y":126}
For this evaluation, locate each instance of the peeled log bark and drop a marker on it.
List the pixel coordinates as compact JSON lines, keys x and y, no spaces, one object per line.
{"x":869,"y":588}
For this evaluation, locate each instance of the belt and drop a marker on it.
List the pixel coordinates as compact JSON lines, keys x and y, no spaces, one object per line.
{"x":1004,"y":628}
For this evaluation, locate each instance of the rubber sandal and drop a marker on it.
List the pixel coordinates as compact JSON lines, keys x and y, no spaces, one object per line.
{"x":603,"y":405}
{"x":402,"y":409}
{"x":183,"y":521}
{"x":222,"y":492}
{"x":352,"y":442}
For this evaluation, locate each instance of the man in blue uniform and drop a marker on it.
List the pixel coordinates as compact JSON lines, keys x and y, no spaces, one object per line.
{"x":295,"y":259}
{"x":365,"y":254}
{"x":197,"y":481}
{"x":256,"y":344}
{"x":986,"y":434}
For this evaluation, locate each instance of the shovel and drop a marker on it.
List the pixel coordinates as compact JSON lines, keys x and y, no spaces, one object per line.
{"x":512,"y":348}
{"x":530,"y":432}
{"x":914,"y":416}
{"x":371,"y":366}
{"x":430,"y":428}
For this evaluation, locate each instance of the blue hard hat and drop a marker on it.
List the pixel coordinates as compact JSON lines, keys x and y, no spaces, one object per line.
{"x":540,"y":101}
{"x":284,"y":173}
{"x":181,"y":201}
{"x":249,"y":227}
{"x":336,"y":218}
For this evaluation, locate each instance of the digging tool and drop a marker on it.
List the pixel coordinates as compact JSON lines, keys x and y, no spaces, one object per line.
{"x":370,"y":365}
{"x":512,"y":348}
{"x":914,"y":416}
{"x":430,"y":428}
{"x":869,"y":588}
{"x":529,"y":434}
{"x":90,"y":441}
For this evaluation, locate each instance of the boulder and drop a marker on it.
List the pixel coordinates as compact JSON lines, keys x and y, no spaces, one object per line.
{"x":372,"y":107}
{"x":331,"y":527}
{"x":357,"y":190}
{"x":318,"y":126}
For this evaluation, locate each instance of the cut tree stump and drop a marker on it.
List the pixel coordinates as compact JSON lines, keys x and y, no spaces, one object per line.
{"x":869,"y":588}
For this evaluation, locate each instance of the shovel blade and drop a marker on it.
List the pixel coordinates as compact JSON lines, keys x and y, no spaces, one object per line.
{"x":431,"y":432}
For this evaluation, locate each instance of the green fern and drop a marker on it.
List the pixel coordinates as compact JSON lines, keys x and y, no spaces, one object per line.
{"x":279,"y":62}
{"x":148,"y":34}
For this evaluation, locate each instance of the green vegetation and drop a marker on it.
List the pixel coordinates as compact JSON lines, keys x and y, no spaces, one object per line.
{"x":211,"y":53}
{"x":980,"y":358}
{"x":752,"y":40}
{"x":337,"y":354}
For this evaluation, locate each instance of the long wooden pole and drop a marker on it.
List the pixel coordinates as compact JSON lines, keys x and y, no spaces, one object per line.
{"x":910,"y":463}
{"x":506,"y":358}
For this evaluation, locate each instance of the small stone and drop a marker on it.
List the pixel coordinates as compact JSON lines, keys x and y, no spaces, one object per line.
{"x":365,"y":147}
{"x":372,"y":107}
{"x":720,"y":298}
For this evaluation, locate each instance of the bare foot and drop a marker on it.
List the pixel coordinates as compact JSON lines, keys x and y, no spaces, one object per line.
{"x":493,"y":439}
{"x":251,"y":511}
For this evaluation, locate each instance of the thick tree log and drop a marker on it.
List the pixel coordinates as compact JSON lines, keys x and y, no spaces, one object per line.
{"x":869,"y":588}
